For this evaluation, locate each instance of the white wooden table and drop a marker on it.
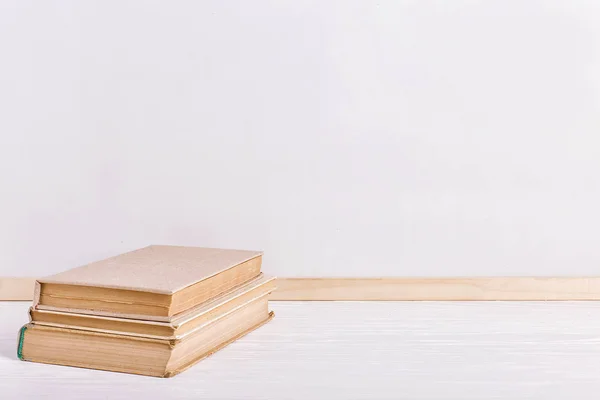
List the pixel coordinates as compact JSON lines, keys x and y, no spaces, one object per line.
{"x":371,"y":350}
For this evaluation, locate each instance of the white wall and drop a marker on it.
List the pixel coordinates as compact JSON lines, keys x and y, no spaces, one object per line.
{"x":344,"y":138}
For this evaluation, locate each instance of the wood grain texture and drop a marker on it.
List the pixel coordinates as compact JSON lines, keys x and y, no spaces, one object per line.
{"x":358,"y":350}
{"x":382,"y":289}
{"x":438,"y":289}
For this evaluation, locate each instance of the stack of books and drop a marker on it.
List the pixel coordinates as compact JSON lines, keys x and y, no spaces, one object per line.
{"x":154,"y":311}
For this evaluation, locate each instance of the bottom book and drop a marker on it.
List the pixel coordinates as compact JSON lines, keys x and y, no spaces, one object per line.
{"x":138,"y":354}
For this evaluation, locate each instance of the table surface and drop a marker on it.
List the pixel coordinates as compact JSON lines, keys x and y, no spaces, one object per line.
{"x":358,"y":350}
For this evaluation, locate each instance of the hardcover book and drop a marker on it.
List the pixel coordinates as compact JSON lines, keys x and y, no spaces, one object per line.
{"x":139,"y":354}
{"x":154,"y":283}
{"x":179,"y":327}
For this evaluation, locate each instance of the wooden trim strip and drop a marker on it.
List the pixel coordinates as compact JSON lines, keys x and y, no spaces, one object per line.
{"x":439,"y":289}
{"x":16,"y":288}
{"x":407,"y":289}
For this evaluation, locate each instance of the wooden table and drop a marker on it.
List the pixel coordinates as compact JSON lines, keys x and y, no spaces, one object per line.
{"x":353,"y":350}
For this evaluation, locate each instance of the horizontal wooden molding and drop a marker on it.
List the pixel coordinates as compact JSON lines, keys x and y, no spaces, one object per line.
{"x":16,"y":288}
{"x":439,"y":289}
{"x":407,"y":289}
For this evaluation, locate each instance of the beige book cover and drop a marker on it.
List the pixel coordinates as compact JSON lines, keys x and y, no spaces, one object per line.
{"x":179,"y":327}
{"x":136,"y":354}
{"x":154,"y":283}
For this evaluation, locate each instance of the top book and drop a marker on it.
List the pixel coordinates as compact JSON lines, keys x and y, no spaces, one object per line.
{"x":152,"y":283}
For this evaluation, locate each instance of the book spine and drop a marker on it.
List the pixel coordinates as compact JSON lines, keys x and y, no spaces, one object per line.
{"x":36,"y":294}
{"x":20,"y":343}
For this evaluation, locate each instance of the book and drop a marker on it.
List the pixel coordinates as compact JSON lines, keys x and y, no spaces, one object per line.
{"x":137,"y":354}
{"x":180,"y":326}
{"x":154,"y":283}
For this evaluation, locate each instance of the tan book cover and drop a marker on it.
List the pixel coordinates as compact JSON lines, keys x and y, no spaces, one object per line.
{"x":137,"y":354}
{"x":154,"y":283}
{"x":180,"y":326}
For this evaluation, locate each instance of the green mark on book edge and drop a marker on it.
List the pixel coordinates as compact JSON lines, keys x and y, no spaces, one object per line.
{"x":20,"y":347}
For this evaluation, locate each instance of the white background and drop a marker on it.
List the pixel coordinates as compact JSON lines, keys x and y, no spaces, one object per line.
{"x":343,"y":138}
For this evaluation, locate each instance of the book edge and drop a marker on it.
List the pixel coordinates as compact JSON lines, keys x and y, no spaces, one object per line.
{"x":224,"y":297}
{"x":166,"y":374}
{"x":180,"y":369}
{"x":172,"y":339}
{"x":20,"y":342}
{"x":49,"y":279}
{"x":36,"y":293}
